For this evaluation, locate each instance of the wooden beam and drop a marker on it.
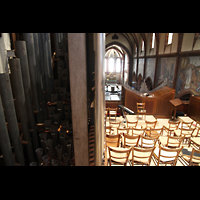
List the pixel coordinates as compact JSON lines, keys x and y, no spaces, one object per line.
{"x":78,"y":88}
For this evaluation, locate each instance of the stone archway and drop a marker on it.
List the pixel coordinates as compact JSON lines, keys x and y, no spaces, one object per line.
{"x":130,"y":59}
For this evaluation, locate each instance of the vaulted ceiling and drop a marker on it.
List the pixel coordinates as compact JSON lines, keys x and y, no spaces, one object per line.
{"x":128,"y":39}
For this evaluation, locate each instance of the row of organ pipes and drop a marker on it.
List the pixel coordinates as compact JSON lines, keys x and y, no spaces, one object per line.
{"x":35,"y":105}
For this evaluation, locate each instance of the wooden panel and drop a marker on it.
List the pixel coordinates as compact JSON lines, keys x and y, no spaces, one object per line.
{"x":164,"y":107}
{"x":194,"y":107}
{"x":130,"y":101}
{"x":158,"y":105}
{"x":114,"y":104}
{"x":150,"y":105}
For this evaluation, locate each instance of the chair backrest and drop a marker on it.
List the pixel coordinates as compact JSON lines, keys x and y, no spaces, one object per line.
{"x":112,"y":111}
{"x":119,"y":155}
{"x":140,"y":106}
{"x":168,"y":155}
{"x":138,"y":131}
{"x":142,"y":155}
{"x":193,"y":158}
{"x":131,"y":124}
{"x":173,"y":125}
{"x":114,"y":124}
{"x":150,"y":124}
{"x":123,"y":130}
{"x":130,"y":140}
{"x":155,"y":132}
{"x":197,"y":128}
{"x":112,"y":140}
{"x":185,"y":125}
{"x":147,"y":142}
{"x":187,"y":132}
{"x":173,"y":141}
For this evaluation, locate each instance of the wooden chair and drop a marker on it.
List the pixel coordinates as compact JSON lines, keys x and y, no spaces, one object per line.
{"x":130,"y":141}
{"x":114,"y":126}
{"x":123,"y":130}
{"x":197,"y":129}
{"x":131,"y":124}
{"x":154,"y":132}
{"x":147,"y":142}
{"x":172,"y":125}
{"x":113,"y":140}
{"x":185,"y":125}
{"x":138,"y":131}
{"x":142,"y":156}
{"x":195,"y":141}
{"x":192,"y":159}
{"x":187,"y":132}
{"x":119,"y":155}
{"x":165,"y":155}
{"x":141,"y":109}
{"x":150,"y":124}
{"x":112,"y":112}
{"x":172,"y":141}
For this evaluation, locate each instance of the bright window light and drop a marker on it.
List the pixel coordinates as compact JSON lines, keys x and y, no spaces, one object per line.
{"x":170,"y":38}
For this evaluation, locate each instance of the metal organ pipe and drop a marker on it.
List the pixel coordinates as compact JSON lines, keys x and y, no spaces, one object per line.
{"x":9,"y":108}
{"x":21,"y":53}
{"x":4,"y":140}
{"x":32,"y":68}
{"x":39,"y":76}
{"x":17,"y":83}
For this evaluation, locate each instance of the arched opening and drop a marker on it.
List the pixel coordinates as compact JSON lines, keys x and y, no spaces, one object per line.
{"x":113,"y":65}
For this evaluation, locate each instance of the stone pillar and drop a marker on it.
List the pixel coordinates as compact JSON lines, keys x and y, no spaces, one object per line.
{"x":78,"y":89}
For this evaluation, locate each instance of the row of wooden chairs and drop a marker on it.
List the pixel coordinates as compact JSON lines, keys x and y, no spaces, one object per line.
{"x":143,"y":148}
{"x":175,"y":128}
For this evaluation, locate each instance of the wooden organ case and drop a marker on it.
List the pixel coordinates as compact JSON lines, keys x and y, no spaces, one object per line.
{"x":157,"y":103}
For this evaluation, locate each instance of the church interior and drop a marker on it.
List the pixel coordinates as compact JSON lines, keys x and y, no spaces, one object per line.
{"x":99,"y":99}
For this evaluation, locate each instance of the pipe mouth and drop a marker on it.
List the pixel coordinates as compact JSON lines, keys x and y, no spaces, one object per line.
{"x":45,"y":157}
{"x":49,"y":141}
{"x":33,"y":164}
{"x":54,"y":162}
{"x":39,"y":150}
{"x":65,"y":155}
{"x":59,"y":146}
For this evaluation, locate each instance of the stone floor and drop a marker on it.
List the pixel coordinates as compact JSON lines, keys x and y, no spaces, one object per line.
{"x":160,"y":123}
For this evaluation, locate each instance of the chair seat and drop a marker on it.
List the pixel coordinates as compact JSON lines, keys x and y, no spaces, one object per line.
{"x":140,"y":155}
{"x":148,"y":143}
{"x":164,"y":153}
{"x":116,"y":155}
{"x":196,"y":140}
{"x":195,"y":159}
{"x":163,"y":140}
{"x":185,"y":133}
